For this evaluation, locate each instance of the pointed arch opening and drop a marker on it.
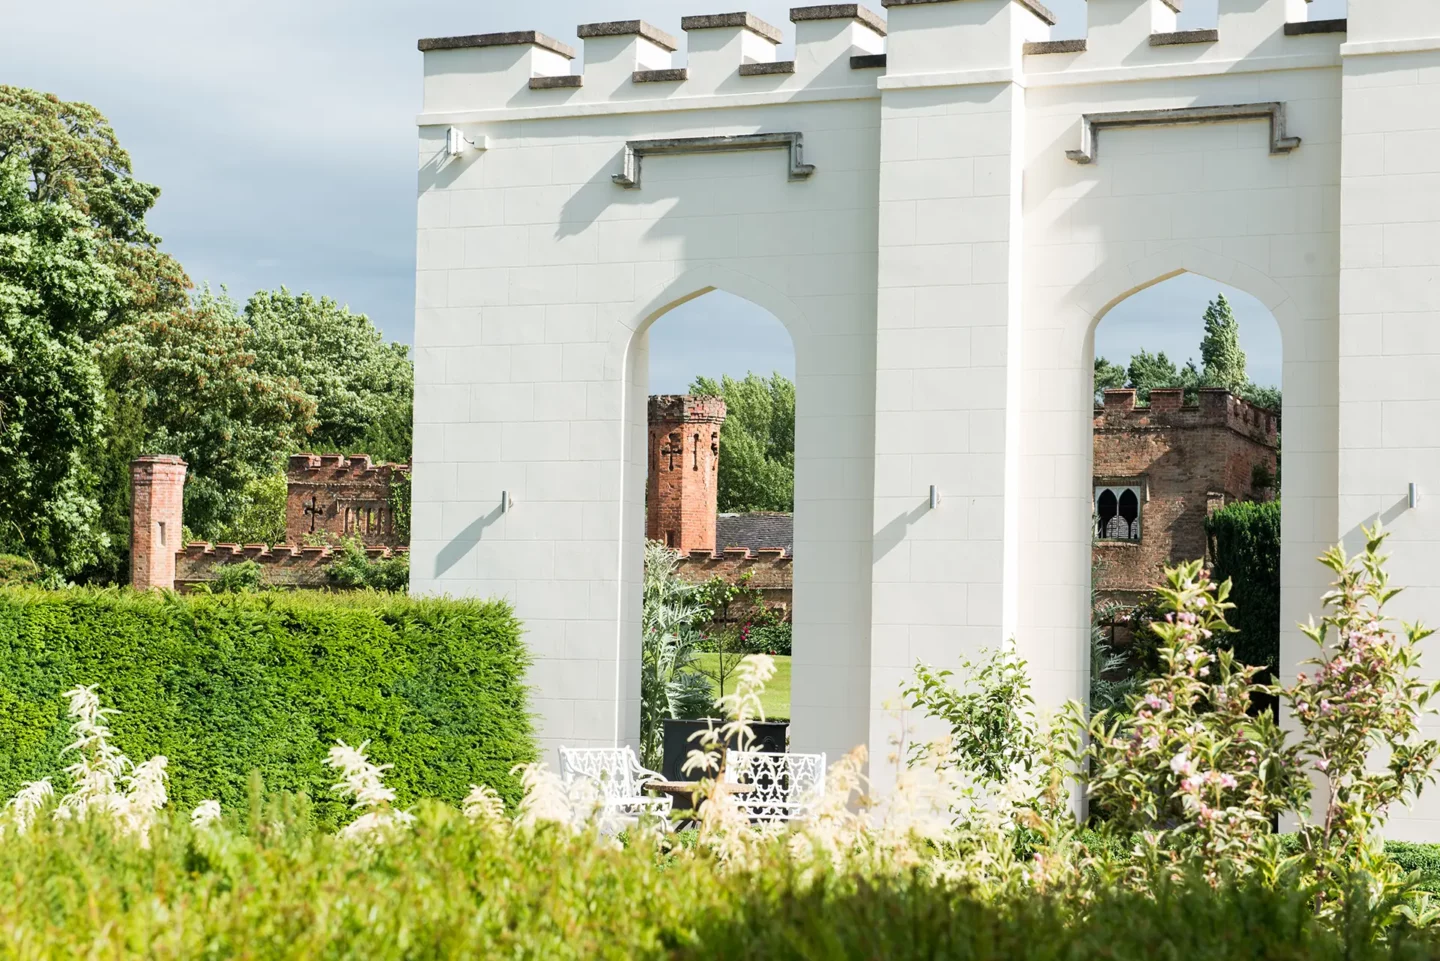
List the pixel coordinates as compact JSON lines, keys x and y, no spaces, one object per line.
{"x":710,"y":479}
{"x":1185,"y":464}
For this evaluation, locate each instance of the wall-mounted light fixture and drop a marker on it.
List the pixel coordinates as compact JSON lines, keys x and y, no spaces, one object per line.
{"x":934,"y":497}
{"x":506,"y":502}
{"x":456,"y":143}
{"x":1414,"y":494}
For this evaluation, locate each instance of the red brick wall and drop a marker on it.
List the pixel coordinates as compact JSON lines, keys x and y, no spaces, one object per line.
{"x":330,"y":497}
{"x":157,"y":496}
{"x":1189,"y":461}
{"x":684,"y":456}
{"x":285,"y":566}
{"x":768,"y":571}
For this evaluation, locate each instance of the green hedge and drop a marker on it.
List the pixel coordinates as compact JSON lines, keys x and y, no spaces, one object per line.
{"x":226,"y":685}
{"x":1245,"y":543}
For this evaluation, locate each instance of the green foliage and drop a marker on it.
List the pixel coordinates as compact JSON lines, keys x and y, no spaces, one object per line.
{"x":228,"y":684}
{"x":278,"y":890}
{"x":757,"y":442}
{"x":56,"y":295}
{"x":1220,"y":354}
{"x":16,"y":571}
{"x":990,"y":720}
{"x":259,"y":516}
{"x":70,"y":155}
{"x":361,"y":385}
{"x":1108,"y":376}
{"x":1245,"y":544}
{"x":770,"y":638}
{"x":240,"y":577}
{"x":670,"y":684}
{"x":195,"y":384}
{"x":357,"y":569}
{"x":1149,"y":370}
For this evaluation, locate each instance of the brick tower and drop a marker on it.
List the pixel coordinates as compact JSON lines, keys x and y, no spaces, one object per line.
{"x":680,"y":494}
{"x":157,"y":490}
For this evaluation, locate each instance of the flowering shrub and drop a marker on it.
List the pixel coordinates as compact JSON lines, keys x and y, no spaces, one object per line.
{"x":1187,"y":767}
{"x":1363,"y":697}
{"x":970,"y":854}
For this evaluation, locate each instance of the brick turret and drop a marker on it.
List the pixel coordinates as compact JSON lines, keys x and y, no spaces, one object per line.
{"x":157,"y":491}
{"x":681,"y":494}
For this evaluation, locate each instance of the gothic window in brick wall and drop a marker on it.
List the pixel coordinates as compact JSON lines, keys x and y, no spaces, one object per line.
{"x":1117,"y":512}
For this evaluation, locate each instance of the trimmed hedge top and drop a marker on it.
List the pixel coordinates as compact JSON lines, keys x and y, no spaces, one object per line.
{"x":230,"y":684}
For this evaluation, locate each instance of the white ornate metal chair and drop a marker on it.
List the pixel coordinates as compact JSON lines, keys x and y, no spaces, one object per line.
{"x":621,"y":779}
{"x":787,"y":786}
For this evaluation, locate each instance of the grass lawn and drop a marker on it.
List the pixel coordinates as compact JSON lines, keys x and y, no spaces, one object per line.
{"x":775,"y":700}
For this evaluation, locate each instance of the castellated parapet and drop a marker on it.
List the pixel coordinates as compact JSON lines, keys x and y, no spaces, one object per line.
{"x":848,"y":50}
{"x":330,"y":497}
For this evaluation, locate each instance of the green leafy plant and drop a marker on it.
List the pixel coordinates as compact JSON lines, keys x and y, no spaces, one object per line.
{"x":990,"y":719}
{"x":355,"y":568}
{"x":240,"y":577}
{"x":1365,"y":696}
{"x":670,"y":684}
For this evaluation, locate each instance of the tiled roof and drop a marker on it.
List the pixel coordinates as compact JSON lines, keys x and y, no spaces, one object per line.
{"x":756,"y":531}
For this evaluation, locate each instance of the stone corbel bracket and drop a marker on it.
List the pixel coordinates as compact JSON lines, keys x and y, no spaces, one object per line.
{"x":794,"y":142}
{"x":1092,"y":123}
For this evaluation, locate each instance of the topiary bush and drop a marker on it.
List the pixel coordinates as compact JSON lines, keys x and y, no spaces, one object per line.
{"x":1245,"y":544}
{"x":224,"y":685}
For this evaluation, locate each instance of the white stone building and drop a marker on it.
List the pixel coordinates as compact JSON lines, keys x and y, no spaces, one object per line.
{"x":970,"y":201}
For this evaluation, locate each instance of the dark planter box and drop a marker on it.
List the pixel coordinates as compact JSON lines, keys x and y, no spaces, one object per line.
{"x":769,"y":736}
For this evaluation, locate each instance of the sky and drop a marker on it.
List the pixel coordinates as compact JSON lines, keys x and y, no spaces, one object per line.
{"x":282,"y":132}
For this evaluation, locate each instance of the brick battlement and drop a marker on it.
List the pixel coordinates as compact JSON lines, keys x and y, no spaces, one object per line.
{"x":769,"y":571}
{"x":336,"y":496}
{"x":283,"y":566}
{"x":1217,"y":408}
{"x":686,"y":409}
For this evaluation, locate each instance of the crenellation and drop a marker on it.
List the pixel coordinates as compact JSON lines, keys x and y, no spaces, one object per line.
{"x":830,"y":39}
{"x":616,"y":51}
{"x":931,"y":38}
{"x":486,"y":70}
{"x":718,"y":45}
{"x":1125,"y":26}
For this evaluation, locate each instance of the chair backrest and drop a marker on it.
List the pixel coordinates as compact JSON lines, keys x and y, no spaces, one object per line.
{"x":613,"y":768}
{"x":786,"y":785}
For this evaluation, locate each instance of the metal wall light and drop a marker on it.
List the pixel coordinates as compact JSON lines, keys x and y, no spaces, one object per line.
{"x":456,"y":143}
{"x":1414,"y":494}
{"x":506,"y":502}
{"x":934,"y":497}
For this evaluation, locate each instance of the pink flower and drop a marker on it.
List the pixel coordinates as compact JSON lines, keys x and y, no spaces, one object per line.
{"x":1227,"y":780}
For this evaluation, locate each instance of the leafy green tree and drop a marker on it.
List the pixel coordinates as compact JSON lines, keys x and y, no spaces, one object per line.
{"x":362,"y":385}
{"x":259,"y":517}
{"x":193,"y":385}
{"x":56,"y":295}
{"x":1108,"y":376}
{"x":757,"y":442}
{"x":71,"y":154}
{"x":1224,"y":361}
{"x":1149,"y":370}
